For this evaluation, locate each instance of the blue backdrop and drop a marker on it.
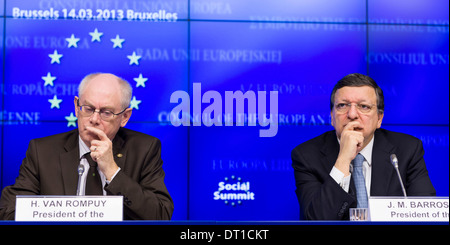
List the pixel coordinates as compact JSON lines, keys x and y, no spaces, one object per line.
{"x":298,"y":48}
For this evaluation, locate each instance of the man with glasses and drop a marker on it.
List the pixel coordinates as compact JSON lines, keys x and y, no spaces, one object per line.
{"x":340,"y":169}
{"x":117,"y":161}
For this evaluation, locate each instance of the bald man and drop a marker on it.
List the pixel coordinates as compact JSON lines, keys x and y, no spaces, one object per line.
{"x":127,"y":162}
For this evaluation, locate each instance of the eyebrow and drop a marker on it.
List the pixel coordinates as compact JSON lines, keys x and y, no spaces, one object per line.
{"x":347,"y":101}
{"x":102,"y":108}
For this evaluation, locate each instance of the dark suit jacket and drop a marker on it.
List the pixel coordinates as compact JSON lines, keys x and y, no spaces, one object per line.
{"x":321,"y":198}
{"x":50,"y":168}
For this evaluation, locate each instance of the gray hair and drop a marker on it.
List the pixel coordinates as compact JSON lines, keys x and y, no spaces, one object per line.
{"x":126,"y":88}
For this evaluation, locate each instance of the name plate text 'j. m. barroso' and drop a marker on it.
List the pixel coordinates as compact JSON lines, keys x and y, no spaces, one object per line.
{"x":409,"y":209}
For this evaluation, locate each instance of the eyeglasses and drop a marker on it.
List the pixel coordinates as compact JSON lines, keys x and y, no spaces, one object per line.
{"x":105,"y":115}
{"x":361,"y":107}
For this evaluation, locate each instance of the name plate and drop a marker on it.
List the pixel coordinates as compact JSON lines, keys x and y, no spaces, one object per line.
{"x":69,"y":208}
{"x":409,"y":209}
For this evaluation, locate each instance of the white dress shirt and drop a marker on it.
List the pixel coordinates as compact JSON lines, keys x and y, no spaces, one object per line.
{"x":83,"y":150}
{"x":344,"y":182}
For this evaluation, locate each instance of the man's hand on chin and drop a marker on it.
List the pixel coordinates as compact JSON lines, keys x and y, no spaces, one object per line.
{"x":101,"y":152}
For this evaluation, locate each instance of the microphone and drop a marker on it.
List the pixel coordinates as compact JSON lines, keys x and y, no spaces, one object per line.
{"x":80,"y":173}
{"x":394,"y":162}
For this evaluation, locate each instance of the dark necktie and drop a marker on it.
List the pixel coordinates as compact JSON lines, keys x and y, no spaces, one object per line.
{"x":93,"y":181}
{"x":360,"y":183}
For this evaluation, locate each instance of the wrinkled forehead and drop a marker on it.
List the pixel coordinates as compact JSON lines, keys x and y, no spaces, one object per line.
{"x":356,"y":95}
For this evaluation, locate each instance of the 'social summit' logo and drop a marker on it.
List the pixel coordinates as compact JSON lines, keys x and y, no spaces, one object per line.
{"x":233,"y":191}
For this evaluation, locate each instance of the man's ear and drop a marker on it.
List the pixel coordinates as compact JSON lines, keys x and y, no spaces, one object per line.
{"x":332,"y":118}
{"x":75,"y":100}
{"x":380,"y":119}
{"x":126,"y":116}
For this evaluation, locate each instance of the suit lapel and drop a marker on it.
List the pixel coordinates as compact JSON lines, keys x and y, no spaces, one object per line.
{"x":69,"y":161}
{"x":330,"y":149}
{"x":382,"y":169}
{"x":118,"y":151}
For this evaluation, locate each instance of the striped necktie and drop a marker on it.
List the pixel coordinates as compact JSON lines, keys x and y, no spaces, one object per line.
{"x":360,"y":183}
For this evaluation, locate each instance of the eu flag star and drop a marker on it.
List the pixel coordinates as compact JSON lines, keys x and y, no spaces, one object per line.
{"x":72,"y":41}
{"x":95,"y":35}
{"x":54,"y":102}
{"x":134,"y":59}
{"x":117,"y":42}
{"x":134,"y":103}
{"x":48,"y":79}
{"x":71,"y":120}
{"x":140,"y":81}
{"x":55,"y":57}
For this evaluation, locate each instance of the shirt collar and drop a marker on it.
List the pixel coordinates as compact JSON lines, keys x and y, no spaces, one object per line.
{"x":367,"y":151}
{"x":83,"y":147}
